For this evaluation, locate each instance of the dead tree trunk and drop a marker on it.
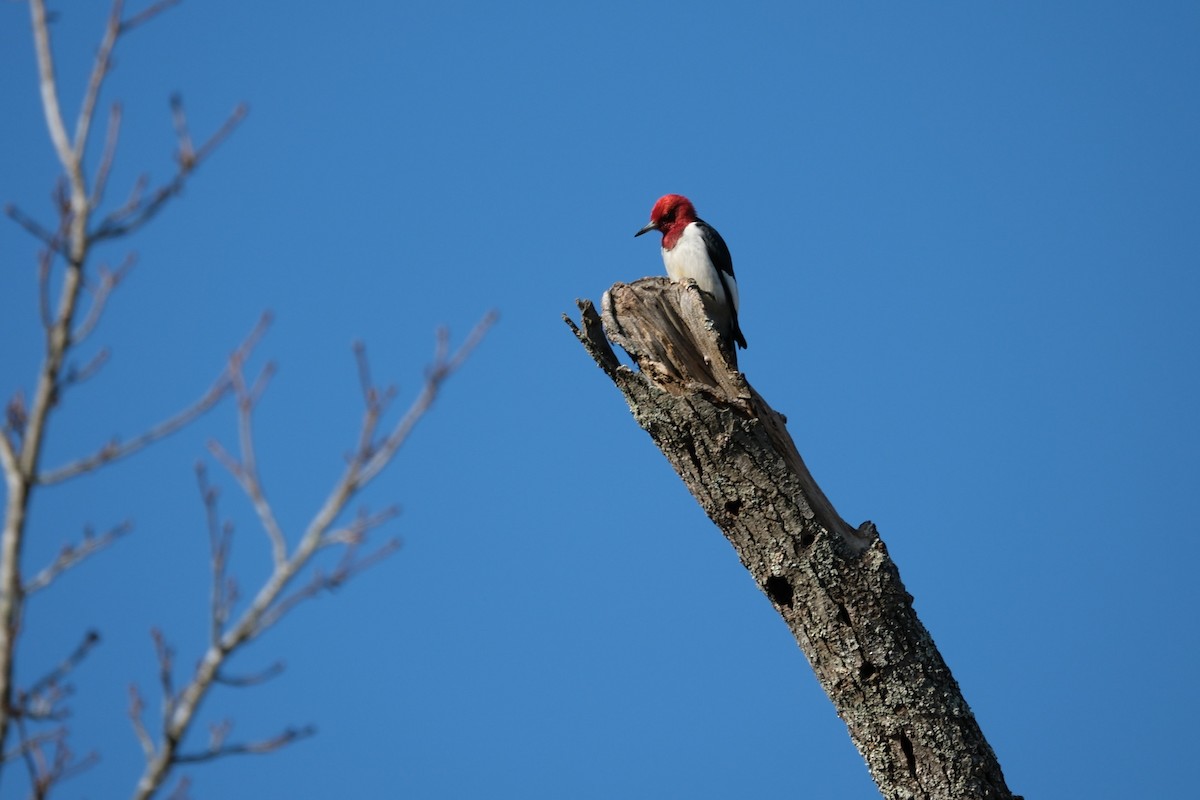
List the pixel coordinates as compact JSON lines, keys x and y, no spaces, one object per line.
{"x":835,"y":586}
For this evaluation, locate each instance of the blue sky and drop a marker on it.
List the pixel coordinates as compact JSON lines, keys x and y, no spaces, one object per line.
{"x":967,"y":245}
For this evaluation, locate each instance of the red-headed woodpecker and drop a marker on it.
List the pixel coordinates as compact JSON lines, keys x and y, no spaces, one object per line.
{"x":691,"y":248}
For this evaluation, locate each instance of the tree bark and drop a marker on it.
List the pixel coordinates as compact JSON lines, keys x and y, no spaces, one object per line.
{"x":835,"y":586}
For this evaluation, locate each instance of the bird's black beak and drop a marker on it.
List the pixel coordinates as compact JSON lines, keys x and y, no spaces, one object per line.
{"x":649,"y":227}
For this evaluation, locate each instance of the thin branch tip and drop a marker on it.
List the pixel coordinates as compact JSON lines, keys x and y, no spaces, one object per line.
{"x":146,"y":15}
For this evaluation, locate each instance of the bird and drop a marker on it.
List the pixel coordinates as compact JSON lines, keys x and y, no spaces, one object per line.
{"x":691,"y":248}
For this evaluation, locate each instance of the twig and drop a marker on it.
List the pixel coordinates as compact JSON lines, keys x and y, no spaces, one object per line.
{"x":166,"y":667}
{"x":16,"y":417}
{"x":245,"y":471}
{"x":45,"y":706}
{"x":71,"y":556}
{"x":138,"y":211}
{"x":116,"y":449}
{"x":363,"y":523}
{"x":137,"y":708}
{"x":142,"y":17}
{"x":100,"y":70}
{"x":364,"y":373}
{"x":242,"y":681}
{"x":77,"y":375}
{"x":45,"y":773}
{"x":235,"y":118}
{"x":109,"y":280}
{"x":134,"y":200}
{"x":322,"y":582}
{"x":444,"y":365}
{"x":187,"y":151}
{"x":180,"y":792}
{"x":34,"y":739}
{"x":220,"y":541}
{"x":45,"y":263}
{"x":375,"y":404}
{"x":33,"y":227}
{"x":249,"y":748}
{"x":108,"y":156}
{"x":56,"y":675}
{"x":31,"y":752}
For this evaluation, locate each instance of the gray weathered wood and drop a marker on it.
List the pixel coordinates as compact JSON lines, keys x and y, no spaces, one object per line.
{"x":834,"y":585}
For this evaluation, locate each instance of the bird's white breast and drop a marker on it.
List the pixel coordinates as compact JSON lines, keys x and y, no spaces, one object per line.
{"x":689,"y":259}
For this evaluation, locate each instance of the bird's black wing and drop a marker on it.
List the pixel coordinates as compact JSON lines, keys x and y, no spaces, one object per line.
{"x":723,"y":261}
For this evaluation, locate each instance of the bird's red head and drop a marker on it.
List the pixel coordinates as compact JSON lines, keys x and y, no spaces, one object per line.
{"x":672,"y":212}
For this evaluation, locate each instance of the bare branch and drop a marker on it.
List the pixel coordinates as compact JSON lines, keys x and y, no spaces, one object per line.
{"x":109,"y":280}
{"x":246,"y":471}
{"x":24,"y":428}
{"x":45,"y":773}
{"x":63,"y":198}
{"x":363,"y":524}
{"x":243,"y":351}
{"x":45,"y":262}
{"x":220,"y":542}
{"x":137,"y":707}
{"x":271,"y":603}
{"x":71,"y":556}
{"x":242,"y":681}
{"x":249,"y":748}
{"x":35,"y":739}
{"x":246,"y":474}
{"x":372,"y":397}
{"x":116,"y":449}
{"x":16,"y":417}
{"x":249,"y":476}
{"x":235,"y":118}
{"x":186,"y":154}
{"x":21,"y":466}
{"x":77,"y":375}
{"x":138,"y":210}
{"x":35,"y":761}
{"x":364,"y":373}
{"x":180,"y":792}
{"x":33,"y":227}
{"x":49,"y":88}
{"x":35,"y":708}
{"x":47,"y":705}
{"x":100,"y":69}
{"x":166,"y":667}
{"x":108,"y":156}
{"x":116,"y":225}
{"x":134,"y":201}
{"x":444,"y":366}
{"x":375,"y":403}
{"x":142,"y":17}
{"x":218,"y":732}
{"x":347,"y":568}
